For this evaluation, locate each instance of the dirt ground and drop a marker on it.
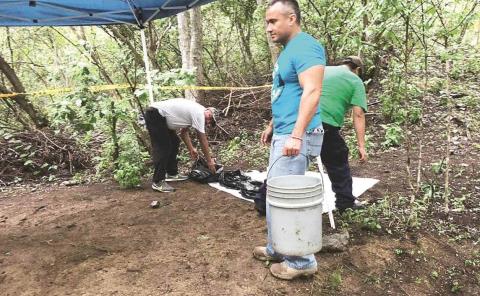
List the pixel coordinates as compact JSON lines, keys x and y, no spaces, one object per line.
{"x":97,"y":239}
{"x":100,"y":240}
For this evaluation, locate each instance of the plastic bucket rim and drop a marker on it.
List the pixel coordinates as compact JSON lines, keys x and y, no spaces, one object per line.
{"x":320,"y":183}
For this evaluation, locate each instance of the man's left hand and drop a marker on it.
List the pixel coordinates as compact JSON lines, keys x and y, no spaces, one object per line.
{"x":292,"y":147}
{"x":362,"y":153}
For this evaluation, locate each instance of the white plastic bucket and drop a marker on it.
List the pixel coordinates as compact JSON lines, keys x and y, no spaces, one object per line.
{"x":295,"y":214}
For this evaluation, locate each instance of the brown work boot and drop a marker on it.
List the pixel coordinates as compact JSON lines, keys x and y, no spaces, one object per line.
{"x":285,"y":272}
{"x":261,"y":254}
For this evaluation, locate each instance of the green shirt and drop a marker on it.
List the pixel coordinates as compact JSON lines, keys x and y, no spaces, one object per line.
{"x":341,"y":90}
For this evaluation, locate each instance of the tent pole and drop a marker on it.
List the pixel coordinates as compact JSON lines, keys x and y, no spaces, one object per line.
{"x":147,"y":66}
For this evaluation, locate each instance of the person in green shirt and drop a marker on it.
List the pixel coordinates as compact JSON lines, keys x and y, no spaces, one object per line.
{"x":343,"y":89}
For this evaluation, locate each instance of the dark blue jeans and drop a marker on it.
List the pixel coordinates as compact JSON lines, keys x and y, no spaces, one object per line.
{"x":335,"y":159}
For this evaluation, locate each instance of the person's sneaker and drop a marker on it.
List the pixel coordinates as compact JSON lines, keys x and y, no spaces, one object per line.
{"x":357,"y":205}
{"x":162,"y":186}
{"x":285,"y":272}
{"x":359,"y":202}
{"x":261,"y":254}
{"x":174,"y":178}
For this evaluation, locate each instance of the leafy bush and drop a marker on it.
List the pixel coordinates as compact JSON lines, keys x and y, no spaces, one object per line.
{"x":81,"y":109}
{"x":351,"y":141}
{"x":130,"y":165}
{"x":128,"y":175}
{"x":400,"y":101}
{"x":393,"y":135}
{"x":245,"y":147}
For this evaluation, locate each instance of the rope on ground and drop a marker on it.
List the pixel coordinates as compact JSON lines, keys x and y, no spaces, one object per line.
{"x":100,"y":88}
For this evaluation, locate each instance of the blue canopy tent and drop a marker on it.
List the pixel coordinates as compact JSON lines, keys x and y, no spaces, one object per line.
{"x":15,"y":13}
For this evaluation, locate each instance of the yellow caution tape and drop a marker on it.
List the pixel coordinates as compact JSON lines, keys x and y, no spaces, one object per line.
{"x":100,"y":88}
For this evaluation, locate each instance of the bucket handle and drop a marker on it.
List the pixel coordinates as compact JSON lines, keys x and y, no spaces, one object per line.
{"x":270,"y":169}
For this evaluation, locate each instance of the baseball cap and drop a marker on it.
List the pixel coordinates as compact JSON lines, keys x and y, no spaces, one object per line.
{"x":356,"y":60}
{"x":215,"y":114}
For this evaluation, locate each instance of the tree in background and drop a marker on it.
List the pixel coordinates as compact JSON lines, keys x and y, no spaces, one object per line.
{"x":190,"y":42}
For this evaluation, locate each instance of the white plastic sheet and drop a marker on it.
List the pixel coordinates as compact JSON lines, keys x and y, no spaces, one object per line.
{"x":360,"y":185}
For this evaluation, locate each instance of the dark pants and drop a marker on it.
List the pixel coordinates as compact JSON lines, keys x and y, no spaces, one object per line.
{"x":165,"y":143}
{"x":335,"y":159}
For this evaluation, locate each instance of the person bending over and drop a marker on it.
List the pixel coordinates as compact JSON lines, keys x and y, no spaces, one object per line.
{"x":164,"y":119}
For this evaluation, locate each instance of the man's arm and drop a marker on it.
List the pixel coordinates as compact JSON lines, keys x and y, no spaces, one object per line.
{"x":188,"y":141}
{"x":266,"y":137}
{"x":311,"y":83}
{"x":202,"y":138}
{"x":359,"y":125}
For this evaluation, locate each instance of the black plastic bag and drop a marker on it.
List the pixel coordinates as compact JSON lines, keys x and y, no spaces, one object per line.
{"x":261,"y":199}
{"x":202,"y":174}
{"x":250,"y":189}
{"x":233,"y":179}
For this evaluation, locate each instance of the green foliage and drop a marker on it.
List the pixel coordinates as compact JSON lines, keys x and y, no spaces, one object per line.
{"x":130,"y":165}
{"x":436,"y":85}
{"x":352,"y":145}
{"x":82,"y":108}
{"x":456,"y":287}
{"x":474,"y":261}
{"x":127,"y":175}
{"x":367,"y":218}
{"x":400,"y":101}
{"x":246,"y":148}
{"x":335,"y":280}
{"x":85,"y":112}
{"x":458,"y":203}
{"x":431,"y":191}
{"x":438,"y":167}
{"x":394,"y":135}
{"x":230,"y":152}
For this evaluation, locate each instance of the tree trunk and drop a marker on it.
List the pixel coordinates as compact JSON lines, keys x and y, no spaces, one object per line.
{"x":37,"y":118}
{"x":406,"y":73}
{"x":196,"y":49}
{"x":365,"y":22}
{"x":184,"y":37}
{"x":424,"y":95}
{"x":446,"y":193}
{"x":274,"y":49}
{"x":191,"y":47}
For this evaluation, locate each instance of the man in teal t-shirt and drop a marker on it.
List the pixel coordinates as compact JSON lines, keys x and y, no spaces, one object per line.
{"x":296,"y":127}
{"x":342,"y":90}
{"x":300,"y":54}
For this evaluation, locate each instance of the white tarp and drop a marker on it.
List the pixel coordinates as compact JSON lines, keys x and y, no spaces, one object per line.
{"x":360,"y":185}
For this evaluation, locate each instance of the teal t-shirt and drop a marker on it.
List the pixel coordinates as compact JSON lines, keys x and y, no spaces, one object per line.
{"x":341,"y":90}
{"x":300,"y":54}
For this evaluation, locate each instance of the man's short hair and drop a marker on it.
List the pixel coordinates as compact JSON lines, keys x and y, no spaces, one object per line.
{"x":293,"y":4}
